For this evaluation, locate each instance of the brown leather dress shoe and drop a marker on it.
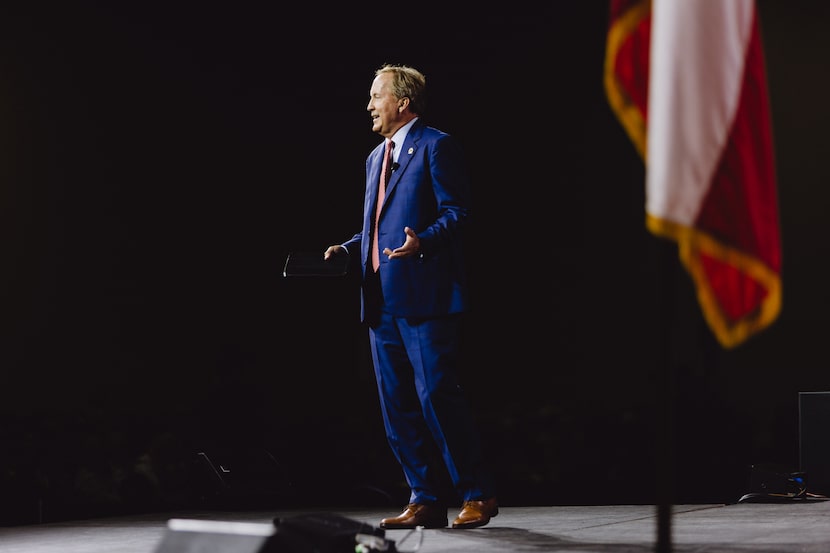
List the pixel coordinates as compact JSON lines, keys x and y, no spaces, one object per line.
{"x":475,"y":513}
{"x":416,"y":514}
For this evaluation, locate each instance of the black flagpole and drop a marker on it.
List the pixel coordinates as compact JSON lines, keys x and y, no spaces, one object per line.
{"x":666,"y":383}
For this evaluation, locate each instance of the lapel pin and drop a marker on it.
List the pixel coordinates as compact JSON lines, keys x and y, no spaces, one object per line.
{"x":411,"y":150}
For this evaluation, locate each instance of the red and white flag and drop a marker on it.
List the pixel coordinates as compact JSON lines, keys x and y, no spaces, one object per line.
{"x":687,"y":80}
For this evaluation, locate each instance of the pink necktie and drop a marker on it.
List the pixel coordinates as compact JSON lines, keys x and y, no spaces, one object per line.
{"x":384,"y":178}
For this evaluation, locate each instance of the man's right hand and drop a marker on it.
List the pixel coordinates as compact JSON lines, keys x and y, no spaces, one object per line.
{"x":333,"y":250}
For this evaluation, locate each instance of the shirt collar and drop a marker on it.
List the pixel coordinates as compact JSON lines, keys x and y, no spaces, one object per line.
{"x":399,"y":137}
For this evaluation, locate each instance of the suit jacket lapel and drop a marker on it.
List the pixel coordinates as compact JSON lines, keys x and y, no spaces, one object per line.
{"x":408,"y":149}
{"x":373,"y":184}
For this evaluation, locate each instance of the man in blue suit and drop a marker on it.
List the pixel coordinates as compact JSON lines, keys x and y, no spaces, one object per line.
{"x":414,"y":293}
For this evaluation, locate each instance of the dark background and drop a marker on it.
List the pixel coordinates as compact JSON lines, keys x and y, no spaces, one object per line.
{"x":159,"y":163}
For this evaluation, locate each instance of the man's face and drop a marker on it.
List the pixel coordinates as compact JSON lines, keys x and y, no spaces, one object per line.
{"x":383,"y":107}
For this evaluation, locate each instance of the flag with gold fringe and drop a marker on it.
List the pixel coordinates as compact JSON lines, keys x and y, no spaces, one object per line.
{"x":687,"y":81}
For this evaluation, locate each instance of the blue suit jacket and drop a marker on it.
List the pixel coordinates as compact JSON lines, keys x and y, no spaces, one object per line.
{"x":428,"y":192}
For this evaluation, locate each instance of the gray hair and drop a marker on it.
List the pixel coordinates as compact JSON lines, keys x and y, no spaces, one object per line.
{"x":407,"y":82}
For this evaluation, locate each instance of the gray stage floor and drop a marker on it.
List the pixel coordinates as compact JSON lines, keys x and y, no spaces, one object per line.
{"x":745,"y":527}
